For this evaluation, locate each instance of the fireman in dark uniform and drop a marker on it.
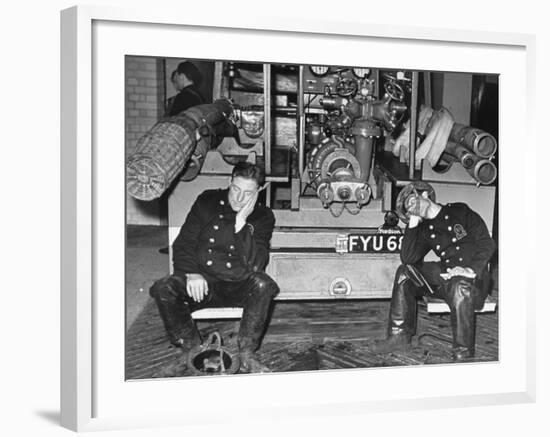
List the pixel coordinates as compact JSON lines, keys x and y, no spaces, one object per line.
{"x":186,"y":79}
{"x":460,"y":238}
{"x":219,"y":258}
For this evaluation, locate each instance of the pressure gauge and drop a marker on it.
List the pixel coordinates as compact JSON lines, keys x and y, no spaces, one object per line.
{"x":361,"y":72}
{"x":319,"y":70}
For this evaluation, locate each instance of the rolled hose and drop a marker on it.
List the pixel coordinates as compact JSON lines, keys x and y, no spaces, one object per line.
{"x":164,"y":151}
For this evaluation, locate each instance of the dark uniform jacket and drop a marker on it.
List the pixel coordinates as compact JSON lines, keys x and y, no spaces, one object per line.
{"x":457,"y":235}
{"x":207,"y":242}
{"x":185,"y":99}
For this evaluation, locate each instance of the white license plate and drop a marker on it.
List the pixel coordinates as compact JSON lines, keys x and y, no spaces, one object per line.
{"x":370,"y":243}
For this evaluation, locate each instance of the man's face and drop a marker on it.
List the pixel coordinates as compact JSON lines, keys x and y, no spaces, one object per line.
{"x":418,"y":205}
{"x":180,"y":81}
{"x":175,"y":82}
{"x":241,"y":190}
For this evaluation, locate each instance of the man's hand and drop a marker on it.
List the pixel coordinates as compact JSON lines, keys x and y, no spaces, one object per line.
{"x":412,"y":211}
{"x":197,"y":287}
{"x":467,"y":272}
{"x":246,"y":210}
{"x":414,"y":220}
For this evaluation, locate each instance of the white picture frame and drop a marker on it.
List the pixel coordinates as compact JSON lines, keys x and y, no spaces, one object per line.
{"x":93,"y":394}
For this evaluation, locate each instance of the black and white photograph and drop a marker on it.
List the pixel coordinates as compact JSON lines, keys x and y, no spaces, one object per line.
{"x":275,"y":219}
{"x":294,"y":217}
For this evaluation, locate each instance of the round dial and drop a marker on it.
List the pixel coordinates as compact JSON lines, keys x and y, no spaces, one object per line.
{"x":361,"y":72}
{"x":319,"y":70}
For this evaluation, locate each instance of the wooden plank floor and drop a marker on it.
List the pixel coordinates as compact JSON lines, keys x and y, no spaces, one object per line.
{"x":314,"y":335}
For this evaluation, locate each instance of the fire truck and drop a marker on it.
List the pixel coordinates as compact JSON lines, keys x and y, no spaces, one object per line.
{"x":338,"y":143}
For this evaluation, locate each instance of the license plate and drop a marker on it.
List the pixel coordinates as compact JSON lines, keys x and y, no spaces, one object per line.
{"x":369,"y":243}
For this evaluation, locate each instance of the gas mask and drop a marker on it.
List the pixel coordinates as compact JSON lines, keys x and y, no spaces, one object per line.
{"x":410,"y":200}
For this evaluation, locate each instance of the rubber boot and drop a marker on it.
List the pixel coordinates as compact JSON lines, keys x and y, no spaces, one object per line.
{"x":250,"y":363}
{"x":175,"y":312}
{"x":461,"y":302}
{"x":260,"y":292}
{"x":402,"y":319}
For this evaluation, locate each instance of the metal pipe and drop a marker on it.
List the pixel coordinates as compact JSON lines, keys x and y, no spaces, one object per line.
{"x":485,"y":172}
{"x":301,"y":122}
{"x":464,"y":155}
{"x":218,"y":79}
{"x":363,"y":153}
{"x":267,"y":118}
{"x":481,"y":169}
{"x":480,"y":142}
{"x":413,"y":123}
{"x":427,"y":80}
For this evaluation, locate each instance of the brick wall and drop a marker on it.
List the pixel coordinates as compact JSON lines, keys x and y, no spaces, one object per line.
{"x":145,"y":92}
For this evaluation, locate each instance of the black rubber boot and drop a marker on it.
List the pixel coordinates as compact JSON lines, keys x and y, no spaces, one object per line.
{"x":250,"y":363}
{"x":402,"y":320}
{"x":393,"y":343}
{"x":175,"y":312}
{"x":261,"y":290}
{"x":460,"y":299}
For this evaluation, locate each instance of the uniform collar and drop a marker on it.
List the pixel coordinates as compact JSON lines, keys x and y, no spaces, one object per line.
{"x":223,"y":201}
{"x":189,"y":87}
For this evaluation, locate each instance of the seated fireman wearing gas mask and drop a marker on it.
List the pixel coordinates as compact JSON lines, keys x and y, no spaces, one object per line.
{"x":460,"y":238}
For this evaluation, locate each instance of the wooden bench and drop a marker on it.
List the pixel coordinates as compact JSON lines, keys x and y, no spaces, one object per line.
{"x":435,"y":305}
{"x":218,"y":313}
